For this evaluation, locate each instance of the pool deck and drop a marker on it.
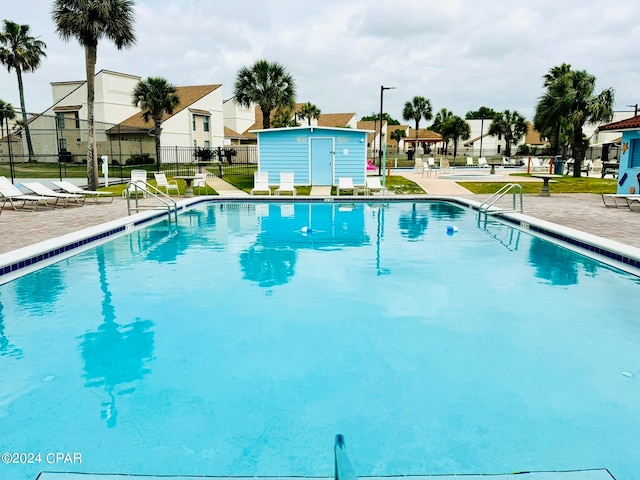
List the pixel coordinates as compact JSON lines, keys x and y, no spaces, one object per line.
{"x":584,"y":212}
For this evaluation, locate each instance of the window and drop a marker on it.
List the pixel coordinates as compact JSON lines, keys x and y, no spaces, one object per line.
{"x":207,"y":144}
{"x":77,"y":117}
{"x":634,"y":158}
{"x":195,"y":144}
{"x":194,"y":122}
{"x":60,"y":120}
{"x":206,"y":123}
{"x":62,"y":144}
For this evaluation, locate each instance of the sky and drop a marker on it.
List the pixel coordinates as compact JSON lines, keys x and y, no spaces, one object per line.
{"x":460,"y":54}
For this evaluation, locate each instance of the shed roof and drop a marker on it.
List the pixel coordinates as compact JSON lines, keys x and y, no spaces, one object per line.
{"x":632,"y":123}
{"x":312,"y":128}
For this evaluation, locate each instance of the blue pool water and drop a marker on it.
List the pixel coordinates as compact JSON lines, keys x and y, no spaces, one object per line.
{"x":236,"y":344}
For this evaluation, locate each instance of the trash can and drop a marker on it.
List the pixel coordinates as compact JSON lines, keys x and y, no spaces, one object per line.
{"x":410,"y":155}
{"x":558,"y":165}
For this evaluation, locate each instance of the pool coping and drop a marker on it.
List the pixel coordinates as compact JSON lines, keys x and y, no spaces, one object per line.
{"x":22,"y":261}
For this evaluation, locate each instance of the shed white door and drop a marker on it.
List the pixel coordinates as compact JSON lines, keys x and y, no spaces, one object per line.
{"x":321,"y":161}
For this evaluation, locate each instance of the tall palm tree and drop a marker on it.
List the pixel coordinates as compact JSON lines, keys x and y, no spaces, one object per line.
{"x":267,"y":84}
{"x":511,"y":125}
{"x":23,"y":53}
{"x":156,"y":97}
{"x":397,"y":135}
{"x":571,"y":97}
{"x":284,"y":117}
{"x":89,"y":21}
{"x":441,"y":117}
{"x":417,"y":109}
{"x":309,"y":111}
{"x":552,"y":131}
{"x":455,"y":128}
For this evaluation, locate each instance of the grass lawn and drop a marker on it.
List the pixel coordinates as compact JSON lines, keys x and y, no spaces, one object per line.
{"x":398,"y":185}
{"x":566,"y":184}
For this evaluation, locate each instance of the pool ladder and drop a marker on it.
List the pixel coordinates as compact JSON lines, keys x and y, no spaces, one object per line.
{"x":140,"y":187}
{"x":487,"y":208}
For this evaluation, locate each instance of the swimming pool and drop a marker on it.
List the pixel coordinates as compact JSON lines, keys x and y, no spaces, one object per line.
{"x":235,"y":343}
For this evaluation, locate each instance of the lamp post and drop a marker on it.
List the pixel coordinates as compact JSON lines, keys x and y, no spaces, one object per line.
{"x":635,"y":108}
{"x":382,"y":89}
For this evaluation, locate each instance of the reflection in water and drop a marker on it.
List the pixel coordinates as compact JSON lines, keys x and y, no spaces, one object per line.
{"x":268,"y":266}
{"x":556,"y":264}
{"x":445,"y":210}
{"x":115,"y":355}
{"x":38,"y":291}
{"x":6,"y":348}
{"x":414,"y":224}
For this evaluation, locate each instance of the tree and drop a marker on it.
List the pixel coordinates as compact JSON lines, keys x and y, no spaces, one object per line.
{"x":482,"y":112}
{"x":284,"y":117}
{"x":309,"y":111}
{"x":441,"y":117}
{"x":511,"y":125}
{"x":22,"y":53}
{"x":417,"y":109}
{"x":156,"y":97}
{"x":375,"y":117}
{"x":570,"y":95}
{"x":267,"y":84}
{"x":554,"y":130}
{"x":397,"y":135}
{"x":454,"y":129}
{"x":7,"y":113}
{"x":89,"y":22}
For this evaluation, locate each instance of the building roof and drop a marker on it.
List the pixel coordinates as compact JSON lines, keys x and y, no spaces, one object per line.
{"x":632,"y":123}
{"x":187,"y":95}
{"x":335,"y":119}
{"x":228,"y":133}
{"x":424,"y":135}
{"x":67,"y":108}
{"x":532,"y":137}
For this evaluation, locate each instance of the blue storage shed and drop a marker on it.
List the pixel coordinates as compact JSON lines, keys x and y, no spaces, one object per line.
{"x":629,"y":167}
{"x":316,"y":155}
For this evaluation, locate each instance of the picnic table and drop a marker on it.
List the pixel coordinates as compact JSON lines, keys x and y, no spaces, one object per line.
{"x":613,"y":168}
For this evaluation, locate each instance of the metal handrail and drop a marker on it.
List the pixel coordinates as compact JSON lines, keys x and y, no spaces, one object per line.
{"x":168,"y":202}
{"x":486,"y":206}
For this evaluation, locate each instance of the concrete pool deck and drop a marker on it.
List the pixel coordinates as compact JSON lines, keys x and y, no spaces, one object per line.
{"x":584,"y":212}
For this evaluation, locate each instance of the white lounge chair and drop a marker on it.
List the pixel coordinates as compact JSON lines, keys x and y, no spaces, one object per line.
{"x":93,"y":194}
{"x":168,"y":185}
{"x":470,"y":162}
{"x":12,"y":194}
{"x":482,"y":162}
{"x":620,"y":200}
{"x":418,"y":165}
{"x":137,"y":184}
{"x":537,"y":166}
{"x":286,"y":183}
{"x":445,"y":166}
{"x":261,"y":182}
{"x":374,"y":184}
{"x":44,"y":191}
{"x":346,"y":183}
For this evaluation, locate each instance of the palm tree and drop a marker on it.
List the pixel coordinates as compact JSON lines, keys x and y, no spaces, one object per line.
{"x":7,"y":113}
{"x":511,"y":125}
{"x":441,"y":117}
{"x":89,"y":22}
{"x":284,"y":117}
{"x":571,"y":97}
{"x":156,"y":97}
{"x":455,"y":128}
{"x":267,"y":84}
{"x":397,"y":135}
{"x":417,"y":109}
{"x":23,"y":53}
{"x":309,"y":111}
{"x":552,"y":131}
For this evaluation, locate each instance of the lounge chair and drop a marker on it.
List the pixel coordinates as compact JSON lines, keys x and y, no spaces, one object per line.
{"x":346,"y":183}
{"x":418,"y":165}
{"x":621,"y":201}
{"x":482,"y":162}
{"x":12,"y":194}
{"x":373,"y":184}
{"x":137,"y":184}
{"x":470,"y":162}
{"x":93,"y":194}
{"x":445,"y":167}
{"x":200,"y":181}
{"x":536,"y":166}
{"x":44,"y":191}
{"x":261,"y":182}
{"x":168,"y":185}
{"x":286,"y":183}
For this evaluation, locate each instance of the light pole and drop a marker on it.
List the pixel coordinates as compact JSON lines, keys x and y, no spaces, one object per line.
{"x":382,"y":89}
{"x":481,"y":133}
{"x":635,"y":107}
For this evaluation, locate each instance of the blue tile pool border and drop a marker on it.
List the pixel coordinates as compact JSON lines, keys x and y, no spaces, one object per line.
{"x":22,"y":261}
